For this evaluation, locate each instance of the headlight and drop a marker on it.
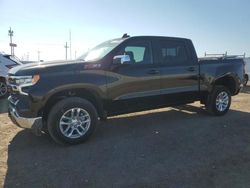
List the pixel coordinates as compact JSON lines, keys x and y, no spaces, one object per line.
{"x":17,"y":83}
{"x":25,"y":81}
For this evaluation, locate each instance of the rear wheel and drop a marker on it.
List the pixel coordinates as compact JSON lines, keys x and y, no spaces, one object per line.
{"x":72,"y":121}
{"x":218,"y":101}
{"x":3,"y":89}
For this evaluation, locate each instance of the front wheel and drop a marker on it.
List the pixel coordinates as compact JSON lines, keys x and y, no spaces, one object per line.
{"x":219,"y":101}
{"x":72,"y":121}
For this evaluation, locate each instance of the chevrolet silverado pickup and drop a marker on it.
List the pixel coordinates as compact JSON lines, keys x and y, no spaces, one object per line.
{"x":66,"y":99}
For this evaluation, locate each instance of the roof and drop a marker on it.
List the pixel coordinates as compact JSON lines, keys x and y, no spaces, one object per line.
{"x":160,"y":37}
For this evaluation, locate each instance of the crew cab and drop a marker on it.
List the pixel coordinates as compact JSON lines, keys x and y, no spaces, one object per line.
{"x":6,"y":62}
{"x":128,"y":74}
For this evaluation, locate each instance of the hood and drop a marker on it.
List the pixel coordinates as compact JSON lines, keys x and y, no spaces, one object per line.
{"x":37,"y":68}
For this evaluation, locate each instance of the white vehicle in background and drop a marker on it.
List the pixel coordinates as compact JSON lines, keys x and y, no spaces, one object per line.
{"x":6,"y":63}
{"x":247,"y":69}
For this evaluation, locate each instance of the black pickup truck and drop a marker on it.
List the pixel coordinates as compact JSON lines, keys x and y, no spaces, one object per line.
{"x":128,"y":74}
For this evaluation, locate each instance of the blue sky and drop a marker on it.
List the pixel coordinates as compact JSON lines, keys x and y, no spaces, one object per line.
{"x":214,"y":26}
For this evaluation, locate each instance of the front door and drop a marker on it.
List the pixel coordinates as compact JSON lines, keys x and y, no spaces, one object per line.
{"x":132,"y":82}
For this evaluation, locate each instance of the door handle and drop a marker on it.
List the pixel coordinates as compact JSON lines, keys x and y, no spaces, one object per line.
{"x":153,"y":71}
{"x":191,"y":69}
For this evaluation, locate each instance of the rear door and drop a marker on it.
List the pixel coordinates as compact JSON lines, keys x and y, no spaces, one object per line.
{"x":179,"y":71}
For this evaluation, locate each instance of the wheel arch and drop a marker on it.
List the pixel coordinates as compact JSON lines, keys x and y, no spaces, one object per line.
{"x":85,"y":93}
{"x":229,"y":81}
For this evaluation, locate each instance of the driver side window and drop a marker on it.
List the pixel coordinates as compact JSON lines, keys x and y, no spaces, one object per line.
{"x":139,"y":53}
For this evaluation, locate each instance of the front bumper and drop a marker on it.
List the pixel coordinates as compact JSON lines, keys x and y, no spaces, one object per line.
{"x":35,"y":124}
{"x":27,"y":123}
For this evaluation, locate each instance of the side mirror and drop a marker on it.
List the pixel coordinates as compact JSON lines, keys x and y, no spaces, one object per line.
{"x":121,"y":59}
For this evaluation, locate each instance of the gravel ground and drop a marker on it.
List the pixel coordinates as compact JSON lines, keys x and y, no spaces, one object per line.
{"x":171,"y":147}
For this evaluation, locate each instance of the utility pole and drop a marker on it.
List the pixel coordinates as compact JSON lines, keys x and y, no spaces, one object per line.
{"x":70,"y":48}
{"x":38,"y":55}
{"x":75,"y":54}
{"x":66,"y":50}
{"x":28,"y":56}
{"x":12,"y":45}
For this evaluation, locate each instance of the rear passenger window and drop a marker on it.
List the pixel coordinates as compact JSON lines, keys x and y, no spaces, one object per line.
{"x":172,"y":52}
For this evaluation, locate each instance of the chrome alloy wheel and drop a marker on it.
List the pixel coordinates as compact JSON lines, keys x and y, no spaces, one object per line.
{"x":3,"y":89}
{"x":222,"y":101}
{"x":74,"y":123}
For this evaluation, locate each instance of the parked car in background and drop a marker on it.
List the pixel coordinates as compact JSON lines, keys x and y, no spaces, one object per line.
{"x":128,"y":74}
{"x":6,"y":62}
{"x":247,"y":70}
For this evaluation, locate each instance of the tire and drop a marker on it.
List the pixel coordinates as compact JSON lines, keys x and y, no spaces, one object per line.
{"x":218,"y":101}
{"x":3,"y":89}
{"x":70,"y":117}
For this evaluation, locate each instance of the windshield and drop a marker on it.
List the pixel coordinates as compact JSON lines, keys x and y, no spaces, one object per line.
{"x":101,"y":50}
{"x":14,"y":58}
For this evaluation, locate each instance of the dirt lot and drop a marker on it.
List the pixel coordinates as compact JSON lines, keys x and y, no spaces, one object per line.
{"x":171,"y":147}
